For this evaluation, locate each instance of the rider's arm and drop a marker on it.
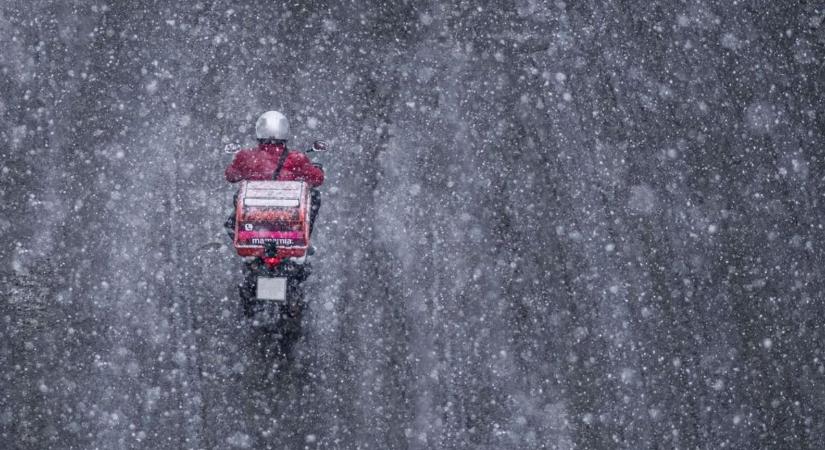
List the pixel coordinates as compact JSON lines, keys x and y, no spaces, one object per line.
{"x":235,"y":172}
{"x":302,"y":169}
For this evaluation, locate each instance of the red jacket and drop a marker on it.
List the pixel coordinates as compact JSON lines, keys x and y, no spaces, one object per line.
{"x":260,"y":163}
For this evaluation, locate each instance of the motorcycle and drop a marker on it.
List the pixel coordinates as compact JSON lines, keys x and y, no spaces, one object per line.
{"x":271,"y":231}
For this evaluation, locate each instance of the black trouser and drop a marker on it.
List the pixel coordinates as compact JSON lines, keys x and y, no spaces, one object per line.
{"x":229,"y":223}
{"x":314,"y":207}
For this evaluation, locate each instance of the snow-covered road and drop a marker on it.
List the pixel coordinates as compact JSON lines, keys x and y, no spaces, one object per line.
{"x":545,"y":225}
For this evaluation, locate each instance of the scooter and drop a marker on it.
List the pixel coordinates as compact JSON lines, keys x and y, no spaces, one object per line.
{"x":272,"y":233}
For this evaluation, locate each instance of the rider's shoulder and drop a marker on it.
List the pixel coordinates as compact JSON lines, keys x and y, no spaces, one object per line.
{"x":245,"y":152}
{"x":297,"y":155}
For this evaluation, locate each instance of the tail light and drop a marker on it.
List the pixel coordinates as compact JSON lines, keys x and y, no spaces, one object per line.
{"x":272,"y":262}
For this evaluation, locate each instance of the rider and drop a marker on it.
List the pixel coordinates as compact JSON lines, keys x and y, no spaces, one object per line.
{"x":271,"y":160}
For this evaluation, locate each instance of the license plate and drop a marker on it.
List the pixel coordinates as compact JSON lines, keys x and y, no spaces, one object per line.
{"x":271,"y":289}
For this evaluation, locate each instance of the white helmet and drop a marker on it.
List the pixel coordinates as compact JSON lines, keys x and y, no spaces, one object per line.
{"x":272,"y":125}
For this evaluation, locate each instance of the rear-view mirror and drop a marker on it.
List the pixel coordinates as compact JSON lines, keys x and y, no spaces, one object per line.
{"x":319,"y":146}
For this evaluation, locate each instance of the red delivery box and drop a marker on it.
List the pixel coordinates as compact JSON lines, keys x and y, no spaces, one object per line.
{"x":269,"y":212}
